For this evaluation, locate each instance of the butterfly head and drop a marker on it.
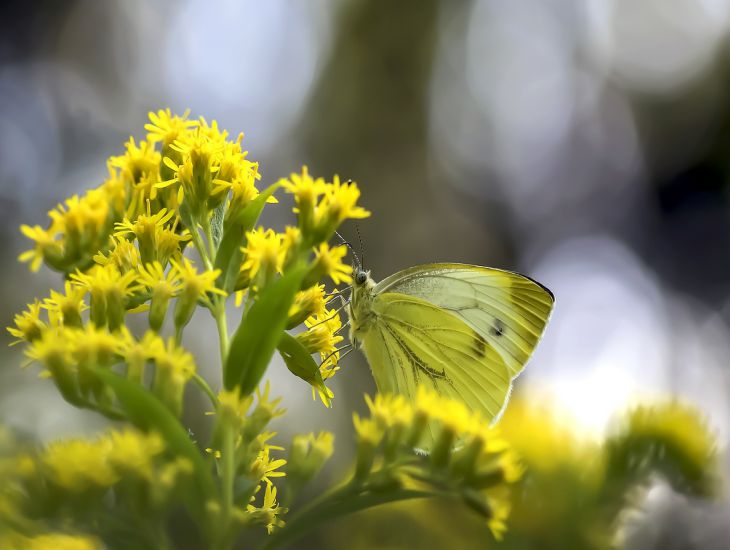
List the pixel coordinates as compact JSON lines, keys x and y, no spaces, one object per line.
{"x":359,"y":276}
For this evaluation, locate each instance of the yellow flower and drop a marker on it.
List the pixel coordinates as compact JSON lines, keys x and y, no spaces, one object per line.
{"x":269,"y":512}
{"x":243,"y":190}
{"x":307,"y":456}
{"x":263,"y":254}
{"x":134,"y":453}
{"x":264,"y":467}
{"x":199,"y":155}
{"x":232,"y":164}
{"x":28,"y":325}
{"x":137,"y":353}
{"x":322,"y":335}
{"x":162,"y":287}
{"x":137,"y":160}
{"x":328,"y":263}
{"x":307,"y":303}
{"x":499,"y":512}
{"x":195,"y":287}
{"x":166,"y":127}
{"x":45,"y":244}
{"x":146,"y":229}
{"x":232,"y":408}
{"x":109,"y":291}
{"x":306,"y":191}
{"x":174,"y":367}
{"x":52,"y":349}
{"x":390,"y":410}
{"x":94,"y":346}
{"x":123,"y":254}
{"x":77,"y":465}
{"x":67,"y":306}
{"x":55,"y":541}
{"x":340,"y":203}
{"x":152,"y":276}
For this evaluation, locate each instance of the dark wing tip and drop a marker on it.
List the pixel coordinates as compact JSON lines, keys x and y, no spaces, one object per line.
{"x":542,"y":286}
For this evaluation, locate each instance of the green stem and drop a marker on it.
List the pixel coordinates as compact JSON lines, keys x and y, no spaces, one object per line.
{"x":337,"y":504}
{"x":201,"y":248}
{"x":219,"y":313}
{"x":208,"y":230}
{"x":228,"y":477}
{"x":203,"y":385}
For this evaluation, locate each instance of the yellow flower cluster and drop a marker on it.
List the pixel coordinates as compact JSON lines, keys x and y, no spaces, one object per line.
{"x":124,"y":466}
{"x":54,"y":541}
{"x":463,"y":449}
{"x":71,"y":354}
{"x":122,"y":248}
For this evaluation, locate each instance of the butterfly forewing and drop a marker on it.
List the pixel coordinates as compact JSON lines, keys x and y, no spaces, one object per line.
{"x":509,"y":311}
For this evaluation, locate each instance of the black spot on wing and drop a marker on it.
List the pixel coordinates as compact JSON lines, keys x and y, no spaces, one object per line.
{"x":478,"y":344}
{"x":498,"y":328}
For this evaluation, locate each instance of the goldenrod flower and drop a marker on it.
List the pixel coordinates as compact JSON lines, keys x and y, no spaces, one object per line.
{"x":137,"y":160}
{"x":338,"y":204}
{"x":322,"y":335}
{"x":263,"y":255}
{"x":266,"y":409}
{"x":243,"y":190}
{"x":174,"y":366}
{"x":232,"y":408}
{"x":54,"y":541}
{"x":268,"y":514}
{"x":146,"y":229}
{"x":232,"y":163}
{"x":137,"y":353}
{"x":328,"y":263}
{"x":199,"y":152}
{"x":264,"y":467}
{"x":162,"y":286}
{"x":67,"y":306}
{"x":166,"y":127}
{"x":196,"y":286}
{"x":46,"y":245}
{"x":306,"y":191}
{"x":123,"y":254}
{"x":28,"y":325}
{"x":307,"y":303}
{"x":109,"y":290}
{"x":134,"y":453}
{"x":499,"y":512}
{"x":307,"y":455}
{"x":78,"y":465}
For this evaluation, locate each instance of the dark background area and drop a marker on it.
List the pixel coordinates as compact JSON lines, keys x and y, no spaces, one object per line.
{"x":586,"y":144}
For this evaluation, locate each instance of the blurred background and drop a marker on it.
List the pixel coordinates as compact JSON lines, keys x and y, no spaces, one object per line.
{"x":584,"y":143}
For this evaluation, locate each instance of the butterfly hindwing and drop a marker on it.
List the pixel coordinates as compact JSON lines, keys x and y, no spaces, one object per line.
{"x":415,"y":342}
{"x":508,"y":310}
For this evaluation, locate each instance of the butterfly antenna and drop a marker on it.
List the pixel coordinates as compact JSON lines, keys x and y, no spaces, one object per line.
{"x":354,"y":254}
{"x":362,"y":246}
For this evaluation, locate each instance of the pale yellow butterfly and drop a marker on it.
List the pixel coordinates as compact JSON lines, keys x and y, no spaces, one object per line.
{"x":465,"y":331}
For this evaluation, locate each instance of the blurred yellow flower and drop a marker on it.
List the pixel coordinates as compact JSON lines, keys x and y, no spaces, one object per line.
{"x":28,"y":325}
{"x":263,"y":254}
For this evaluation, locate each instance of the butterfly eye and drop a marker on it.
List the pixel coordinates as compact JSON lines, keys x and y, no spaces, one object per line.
{"x":361,"y":277}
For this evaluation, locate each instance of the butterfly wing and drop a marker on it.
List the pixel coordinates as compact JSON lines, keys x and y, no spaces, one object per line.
{"x":509,"y":311}
{"x":414,"y":342}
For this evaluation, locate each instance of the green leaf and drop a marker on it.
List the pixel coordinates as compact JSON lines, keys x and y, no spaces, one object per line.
{"x":147,"y":412}
{"x":301,"y":363}
{"x":256,"y":339}
{"x":229,"y":255}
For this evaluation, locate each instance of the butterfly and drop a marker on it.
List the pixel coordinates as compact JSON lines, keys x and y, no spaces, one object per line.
{"x":465,"y":331}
